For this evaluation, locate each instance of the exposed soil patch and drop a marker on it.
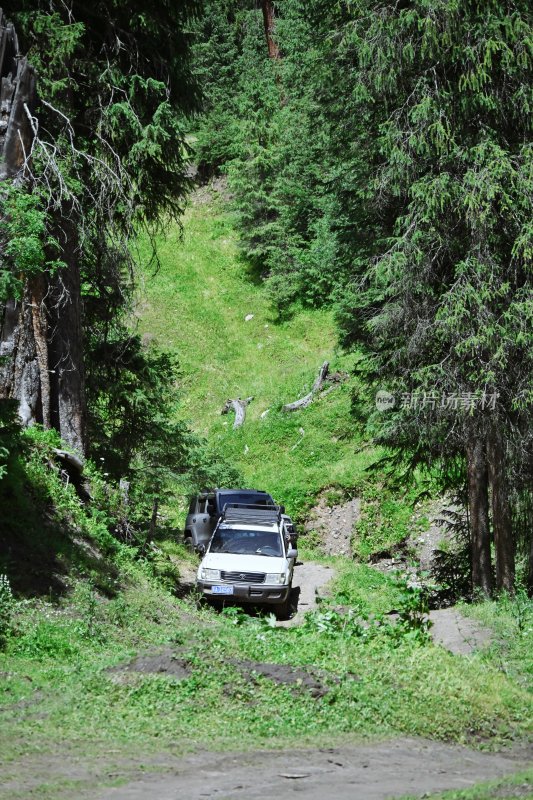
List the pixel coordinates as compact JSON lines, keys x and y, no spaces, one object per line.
{"x":161,"y":662}
{"x":313,"y":681}
{"x":426,"y":542}
{"x":205,"y":192}
{"x":456,"y":633}
{"x":334,"y":525}
{"x":414,"y":556}
{"x":187,"y":581}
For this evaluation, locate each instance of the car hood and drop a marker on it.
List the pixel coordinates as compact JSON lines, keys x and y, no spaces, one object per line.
{"x":244,"y":563}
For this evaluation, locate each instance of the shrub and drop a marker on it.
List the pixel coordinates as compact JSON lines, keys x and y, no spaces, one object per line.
{"x":7,"y":606}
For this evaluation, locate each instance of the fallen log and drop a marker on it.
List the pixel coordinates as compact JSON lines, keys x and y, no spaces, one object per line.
{"x":317,"y":385}
{"x":72,"y":467}
{"x":239,"y":406}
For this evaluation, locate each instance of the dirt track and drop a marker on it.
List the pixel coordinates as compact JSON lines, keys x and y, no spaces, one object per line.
{"x":369,"y":772}
{"x":309,"y":579}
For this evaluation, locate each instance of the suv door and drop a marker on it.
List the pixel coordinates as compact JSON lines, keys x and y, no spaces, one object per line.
{"x":200,"y":524}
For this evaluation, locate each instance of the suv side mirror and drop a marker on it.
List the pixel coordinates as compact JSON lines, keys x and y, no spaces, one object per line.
{"x":292,"y":553}
{"x":282,"y":509}
{"x":200,"y":549}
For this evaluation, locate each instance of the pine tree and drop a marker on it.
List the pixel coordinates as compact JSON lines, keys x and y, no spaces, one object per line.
{"x":108,"y":156}
{"x":448,"y":300}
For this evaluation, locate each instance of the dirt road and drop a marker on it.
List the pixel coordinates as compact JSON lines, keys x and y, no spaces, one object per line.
{"x":368,"y":772}
{"x":309,"y":580}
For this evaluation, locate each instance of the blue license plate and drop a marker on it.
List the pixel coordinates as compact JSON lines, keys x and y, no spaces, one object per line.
{"x":222,"y":589}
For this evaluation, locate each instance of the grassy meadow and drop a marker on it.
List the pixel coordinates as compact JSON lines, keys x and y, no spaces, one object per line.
{"x":195,"y":305}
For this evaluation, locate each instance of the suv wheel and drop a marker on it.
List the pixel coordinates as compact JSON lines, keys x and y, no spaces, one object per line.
{"x":283,"y":611}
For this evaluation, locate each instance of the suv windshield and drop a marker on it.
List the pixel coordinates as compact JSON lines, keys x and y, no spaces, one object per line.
{"x":246,"y":542}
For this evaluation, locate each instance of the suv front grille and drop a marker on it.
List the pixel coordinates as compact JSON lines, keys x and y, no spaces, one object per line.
{"x":243,"y":577}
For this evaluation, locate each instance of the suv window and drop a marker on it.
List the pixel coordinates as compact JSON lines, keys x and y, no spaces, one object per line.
{"x":201,"y":505}
{"x":247,"y":498}
{"x":247,"y":542}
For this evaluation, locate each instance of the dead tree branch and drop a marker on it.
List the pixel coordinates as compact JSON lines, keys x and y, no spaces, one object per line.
{"x":239,"y":406}
{"x":317,"y":385}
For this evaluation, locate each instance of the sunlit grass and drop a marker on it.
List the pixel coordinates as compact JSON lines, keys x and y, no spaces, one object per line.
{"x":196,"y":306}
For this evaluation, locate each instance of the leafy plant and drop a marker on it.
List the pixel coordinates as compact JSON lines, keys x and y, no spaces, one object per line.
{"x":7,"y":606}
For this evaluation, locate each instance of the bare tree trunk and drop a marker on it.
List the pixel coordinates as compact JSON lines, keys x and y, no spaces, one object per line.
{"x":37,"y":290}
{"x":478,"y":502}
{"x":530,"y":570}
{"x":153,"y":520}
{"x":65,"y":342}
{"x":19,"y":368}
{"x":501,"y":513}
{"x":239,"y":406}
{"x":269,"y":25}
{"x":17,"y":100}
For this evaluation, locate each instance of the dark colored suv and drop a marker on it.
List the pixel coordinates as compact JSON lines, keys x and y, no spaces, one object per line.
{"x":205,"y":510}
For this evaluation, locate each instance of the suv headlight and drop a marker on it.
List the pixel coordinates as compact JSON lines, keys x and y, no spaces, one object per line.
{"x":276,"y":578}
{"x":209,"y":574}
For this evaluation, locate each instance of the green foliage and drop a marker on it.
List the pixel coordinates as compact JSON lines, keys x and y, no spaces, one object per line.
{"x":444,"y":302}
{"x":115,"y":89}
{"x":269,"y":124}
{"x":366,"y":590}
{"x":132,"y":390}
{"x":518,"y":785}
{"x":512,"y":620}
{"x":26,"y":241}
{"x":412,"y":624}
{"x":10,"y":436}
{"x":382,"y":165}
{"x":7,"y":605}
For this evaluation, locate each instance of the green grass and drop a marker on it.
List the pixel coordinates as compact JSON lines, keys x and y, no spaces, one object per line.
{"x":55,"y":687}
{"x":511,"y":618}
{"x":364,"y":588}
{"x":515,"y":786}
{"x":196,"y":306}
{"x":57,"y":695}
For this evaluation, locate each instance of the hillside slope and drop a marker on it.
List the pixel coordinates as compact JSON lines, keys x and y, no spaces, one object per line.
{"x":196,"y":306}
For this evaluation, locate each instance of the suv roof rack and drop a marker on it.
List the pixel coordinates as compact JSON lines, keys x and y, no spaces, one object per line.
{"x":240,"y":491}
{"x":239,"y":512}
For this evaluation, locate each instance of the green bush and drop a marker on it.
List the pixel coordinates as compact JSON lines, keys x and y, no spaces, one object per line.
{"x":7,"y":605}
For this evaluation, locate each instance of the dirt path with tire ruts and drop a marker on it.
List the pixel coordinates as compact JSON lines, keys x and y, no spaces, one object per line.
{"x":376,"y":771}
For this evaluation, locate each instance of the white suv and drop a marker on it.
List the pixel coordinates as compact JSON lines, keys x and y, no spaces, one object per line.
{"x":249,"y":558}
